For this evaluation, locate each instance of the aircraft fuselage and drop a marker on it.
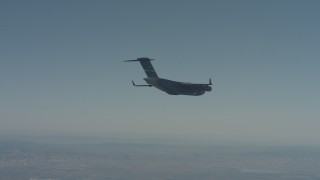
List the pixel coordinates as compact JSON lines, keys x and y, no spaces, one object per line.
{"x":169,"y":86}
{"x":178,"y":88}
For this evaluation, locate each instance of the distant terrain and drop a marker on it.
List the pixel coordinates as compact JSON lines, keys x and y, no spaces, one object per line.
{"x":34,"y":160}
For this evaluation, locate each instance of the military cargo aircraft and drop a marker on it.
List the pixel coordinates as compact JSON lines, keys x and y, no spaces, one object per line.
{"x":169,"y":86}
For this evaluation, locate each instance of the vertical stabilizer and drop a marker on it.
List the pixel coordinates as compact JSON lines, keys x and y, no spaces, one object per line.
{"x":147,"y":66}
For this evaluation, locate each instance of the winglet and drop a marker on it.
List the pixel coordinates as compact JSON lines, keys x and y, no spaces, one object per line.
{"x":210,"y":82}
{"x":134,"y":84}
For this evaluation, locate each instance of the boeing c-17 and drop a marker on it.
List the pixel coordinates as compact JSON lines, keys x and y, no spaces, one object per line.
{"x":169,"y":86}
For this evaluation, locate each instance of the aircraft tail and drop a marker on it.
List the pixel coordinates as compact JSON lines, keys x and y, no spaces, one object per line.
{"x":147,"y":66}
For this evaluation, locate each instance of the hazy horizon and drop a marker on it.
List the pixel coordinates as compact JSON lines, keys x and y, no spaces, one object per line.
{"x":96,"y":159}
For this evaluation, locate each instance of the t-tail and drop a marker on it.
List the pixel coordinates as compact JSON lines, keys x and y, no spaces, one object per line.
{"x":147,"y":66}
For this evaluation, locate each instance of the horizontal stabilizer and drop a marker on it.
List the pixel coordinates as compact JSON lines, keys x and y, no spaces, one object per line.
{"x":146,"y":65}
{"x":139,"y":59}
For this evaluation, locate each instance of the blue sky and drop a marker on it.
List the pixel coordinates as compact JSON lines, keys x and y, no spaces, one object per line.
{"x":61,"y":68}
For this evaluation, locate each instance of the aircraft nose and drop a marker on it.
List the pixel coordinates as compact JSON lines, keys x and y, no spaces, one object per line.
{"x":208,"y":88}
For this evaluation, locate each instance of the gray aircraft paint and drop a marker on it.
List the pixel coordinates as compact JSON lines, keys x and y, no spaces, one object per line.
{"x":169,"y":86}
